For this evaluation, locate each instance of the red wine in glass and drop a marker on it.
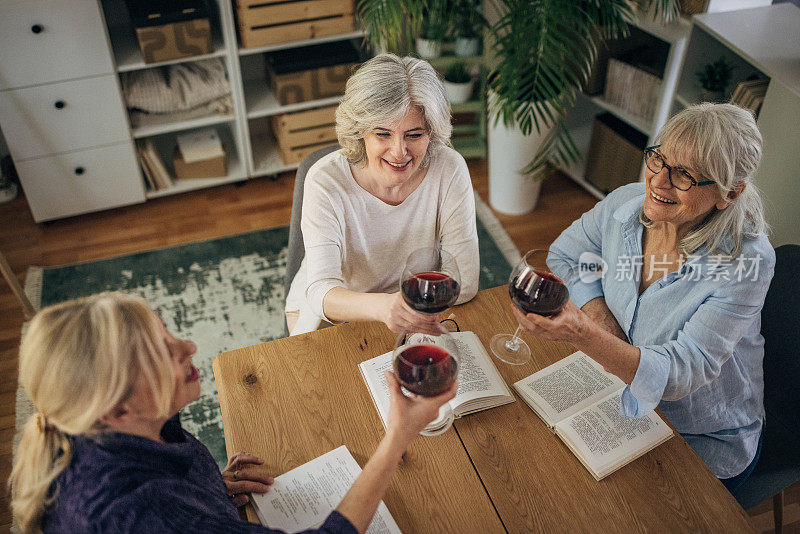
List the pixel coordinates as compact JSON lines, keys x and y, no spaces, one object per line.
{"x":533,"y":289}
{"x":427,"y":365}
{"x":426,"y":370}
{"x":430,"y":292}
{"x":538,"y":292}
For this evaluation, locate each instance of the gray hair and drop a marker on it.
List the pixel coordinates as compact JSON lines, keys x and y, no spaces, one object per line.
{"x":381,"y":92}
{"x":722,"y":143}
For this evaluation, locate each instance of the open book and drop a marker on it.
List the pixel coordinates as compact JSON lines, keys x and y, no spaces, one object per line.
{"x":580,"y":402}
{"x":303,"y":498}
{"x":480,"y":386}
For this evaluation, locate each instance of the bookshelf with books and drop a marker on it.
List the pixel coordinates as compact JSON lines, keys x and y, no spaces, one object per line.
{"x":634,"y":80}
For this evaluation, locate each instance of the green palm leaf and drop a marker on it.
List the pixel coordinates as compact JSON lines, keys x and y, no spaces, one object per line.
{"x":386,"y":22}
{"x":544,"y":51}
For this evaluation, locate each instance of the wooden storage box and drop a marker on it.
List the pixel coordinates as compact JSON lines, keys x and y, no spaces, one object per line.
{"x":266,"y":22}
{"x":171,"y":30}
{"x":615,"y":153}
{"x":311,"y":72}
{"x":206,"y":168}
{"x":302,"y":132}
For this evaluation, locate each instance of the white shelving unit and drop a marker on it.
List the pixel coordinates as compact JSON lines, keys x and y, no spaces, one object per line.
{"x":581,"y":117}
{"x":245,"y":132}
{"x":764,"y":41}
{"x":154,"y":126}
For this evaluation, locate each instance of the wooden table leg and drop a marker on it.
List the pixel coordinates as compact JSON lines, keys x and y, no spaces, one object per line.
{"x":8,"y":274}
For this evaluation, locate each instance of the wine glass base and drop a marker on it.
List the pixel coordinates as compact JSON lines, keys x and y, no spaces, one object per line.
{"x":441,"y":424}
{"x":510,"y":350}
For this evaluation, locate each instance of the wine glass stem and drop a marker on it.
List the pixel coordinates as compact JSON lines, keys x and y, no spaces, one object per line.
{"x":513,"y":343}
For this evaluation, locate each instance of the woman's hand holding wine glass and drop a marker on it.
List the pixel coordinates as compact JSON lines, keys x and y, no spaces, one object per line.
{"x":410,"y":414}
{"x":400,"y":317}
{"x":427,"y":366}
{"x":430,"y":283}
{"x":533,"y":290}
{"x":571,"y":325}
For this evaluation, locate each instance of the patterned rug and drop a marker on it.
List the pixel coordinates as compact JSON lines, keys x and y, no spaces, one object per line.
{"x":222,"y":294}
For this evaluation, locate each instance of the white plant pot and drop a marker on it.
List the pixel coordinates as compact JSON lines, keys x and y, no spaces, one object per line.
{"x":467,"y":46}
{"x":458,"y":92}
{"x":510,"y":191}
{"x":428,"y":48}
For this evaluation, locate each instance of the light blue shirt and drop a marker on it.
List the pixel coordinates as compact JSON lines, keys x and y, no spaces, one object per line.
{"x":698,"y":327}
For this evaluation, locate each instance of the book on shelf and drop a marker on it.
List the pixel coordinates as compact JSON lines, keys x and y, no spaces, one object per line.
{"x":301,"y":499}
{"x":750,"y":94}
{"x":156,"y":174}
{"x":480,"y":385}
{"x":632,"y":86}
{"x":580,"y":402}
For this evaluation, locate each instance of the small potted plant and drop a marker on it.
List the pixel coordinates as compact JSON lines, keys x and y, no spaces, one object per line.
{"x":433,"y":29}
{"x":468,"y":27}
{"x":458,"y":83}
{"x":714,"y":80}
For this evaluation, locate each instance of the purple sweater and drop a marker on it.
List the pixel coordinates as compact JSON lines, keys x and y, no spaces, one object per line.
{"x":125,"y":483}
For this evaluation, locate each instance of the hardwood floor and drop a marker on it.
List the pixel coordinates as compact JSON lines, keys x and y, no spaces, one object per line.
{"x":208,"y":214}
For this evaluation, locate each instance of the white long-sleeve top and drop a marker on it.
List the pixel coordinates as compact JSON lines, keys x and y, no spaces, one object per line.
{"x":356,"y":241}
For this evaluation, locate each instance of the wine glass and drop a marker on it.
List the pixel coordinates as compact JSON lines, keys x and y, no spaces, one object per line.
{"x":533,"y":289}
{"x":427,"y":365}
{"x":430,"y":282}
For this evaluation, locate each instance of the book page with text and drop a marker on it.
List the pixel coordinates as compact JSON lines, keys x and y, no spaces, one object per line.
{"x":372,"y":371}
{"x":303,"y":498}
{"x":567,"y":387}
{"x":478,"y":377}
{"x":605,"y":439}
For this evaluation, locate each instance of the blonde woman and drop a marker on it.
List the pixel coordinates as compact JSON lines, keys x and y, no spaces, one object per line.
{"x":394,"y":187}
{"x":105,"y":451}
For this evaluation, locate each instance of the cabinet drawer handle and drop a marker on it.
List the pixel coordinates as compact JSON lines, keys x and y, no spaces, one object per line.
{"x":60,"y":104}
{"x":79,"y":170}
{"x":37,"y":28}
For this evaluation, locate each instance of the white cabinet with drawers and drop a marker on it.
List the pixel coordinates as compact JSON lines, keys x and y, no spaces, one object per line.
{"x":66,"y":123}
{"x":61,"y":109}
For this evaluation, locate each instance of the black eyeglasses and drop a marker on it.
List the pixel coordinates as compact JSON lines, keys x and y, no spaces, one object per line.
{"x":678,"y":177}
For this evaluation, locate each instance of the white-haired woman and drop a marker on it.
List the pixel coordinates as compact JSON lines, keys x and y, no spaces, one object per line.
{"x":395,"y":186}
{"x":105,"y":451}
{"x":677,"y":312}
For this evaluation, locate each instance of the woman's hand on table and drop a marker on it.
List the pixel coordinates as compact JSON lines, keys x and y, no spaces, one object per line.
{"x":241,"y":477}
{"x":399,"y":317}
{"x":409,"y":415}
{"x":571,"y":324}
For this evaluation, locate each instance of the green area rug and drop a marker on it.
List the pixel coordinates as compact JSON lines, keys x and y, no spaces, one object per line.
{"x":222,"y":294}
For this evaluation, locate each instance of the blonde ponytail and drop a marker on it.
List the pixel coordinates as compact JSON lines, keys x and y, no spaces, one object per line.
{"x":43,"y":452}
{"x":78,"y":360}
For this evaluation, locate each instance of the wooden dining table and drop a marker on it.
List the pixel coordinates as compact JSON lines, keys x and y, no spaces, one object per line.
{"x":499,"y":470}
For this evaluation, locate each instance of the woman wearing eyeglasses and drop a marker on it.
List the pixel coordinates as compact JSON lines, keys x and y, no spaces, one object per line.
{"x":686,"y":262}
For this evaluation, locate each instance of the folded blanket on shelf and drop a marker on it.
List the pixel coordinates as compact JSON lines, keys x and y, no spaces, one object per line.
{"x":182,"y":87}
